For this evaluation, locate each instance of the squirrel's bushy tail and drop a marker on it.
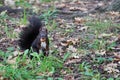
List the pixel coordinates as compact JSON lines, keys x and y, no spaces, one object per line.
{"x":29,"y":33}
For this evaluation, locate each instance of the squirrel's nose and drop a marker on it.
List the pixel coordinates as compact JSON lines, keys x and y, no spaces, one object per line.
{"x":43,"y":39}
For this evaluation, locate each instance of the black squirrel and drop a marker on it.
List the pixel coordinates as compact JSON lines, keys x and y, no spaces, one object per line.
{"x":34,"y":36}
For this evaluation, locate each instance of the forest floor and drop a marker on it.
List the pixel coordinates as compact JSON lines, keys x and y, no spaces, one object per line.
{"x":84,"y":40}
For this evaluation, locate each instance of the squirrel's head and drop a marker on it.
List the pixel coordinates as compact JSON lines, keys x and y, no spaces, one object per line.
{"x":43,"y":34}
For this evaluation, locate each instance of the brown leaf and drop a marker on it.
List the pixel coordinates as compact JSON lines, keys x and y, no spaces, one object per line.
{"x":82,"y":9}
{"x":111,"y":68}
{"x":77,"y":8}
{"x":105,"y":35}
{"x":73,"y":8}
{"x":112,"y":13}
{"x":117,"y":56}
{"x":64,"y":43}
{"x":72,"y":60}
{"x":101,"y":52}
{"x":15,"y":54}
{"x":72,"y":49}
{"x":69,"y":77}
{"x":71,"y":41}
{"x":12,"y":61}
{"x":85,"y":28}
{"x":10,"y":3}
{"x":79,"y":20}
{"x":60,"y":6}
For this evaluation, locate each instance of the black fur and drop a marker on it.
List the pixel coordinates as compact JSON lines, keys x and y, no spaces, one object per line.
{"x":29,"y":33}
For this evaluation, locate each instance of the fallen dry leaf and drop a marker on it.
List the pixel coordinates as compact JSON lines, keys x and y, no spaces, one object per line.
{"x":100,"y":4}
{"x":69,"y":77}
{"x":15,"y":54}
{"x":71,"y":48}
{"x":74,"y":8}
{"x":60,"y":6}
{"x":79,"y":2}
{"x":64,"y":43}
{"x":85,"y":28}
{"x":2,"y":72}
{"x":105,"y":35}
{"x":77,"y":8}
{"x":117,"y":56}
{"x":83,"y":9}
{"x":100,"y":52}
{"x":72,"y":60}
{"x":79,"y":20}
{"x":111,"y":68}
{"x":10,"y":3}
{"x":75,"y":55}
{"x":112,"y":13}
{"x":12,"y":61}
{"x":73,"y":41}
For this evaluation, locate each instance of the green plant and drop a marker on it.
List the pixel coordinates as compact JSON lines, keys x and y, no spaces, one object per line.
{"x":85,"y":68}
{"x":50,"y":64}
{"x":24,"y":19}
{"x":51,"y":25}
{"x":110,"y":79}
{"x":9,"y":32}
{"x":13,"y":71}
{"x":2,"y":54}
{"x":81,"y":66}
{"x":97,"y":44}
{"x":99,"y":59}
{"x":70,"y":30}
{"x":25,"y":69}
{"x":7,"y":23}
{"x":25,"y":5}
{"x":110,"y":46}
{"x":88,"y":73}
{"x":17,"y":74}
{"x":5,"y":55}
{"x":47,"y":14}
{"x":66,"y":56}
{"x":100,"y":26}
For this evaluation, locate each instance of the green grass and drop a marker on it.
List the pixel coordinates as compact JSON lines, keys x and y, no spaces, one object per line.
{"x":51,"y":25}
{"x":88,"y":73}
{"x":48,"y":14}
{"x":9,"y":32}
{"x":97,"y":44}
{"x":101,"y":26}
{"x":25,"y":69}
{"x":7,"y":23}
{"x":23,"y":4}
